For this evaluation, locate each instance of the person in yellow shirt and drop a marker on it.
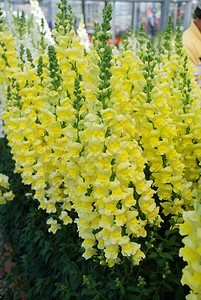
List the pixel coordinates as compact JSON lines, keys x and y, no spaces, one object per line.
{"x":192,"y":40}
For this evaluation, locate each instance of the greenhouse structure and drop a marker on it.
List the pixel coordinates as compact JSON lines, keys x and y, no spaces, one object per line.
{"x":126,"y":14}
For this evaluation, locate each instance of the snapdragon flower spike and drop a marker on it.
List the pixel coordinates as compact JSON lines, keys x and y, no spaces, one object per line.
{"x":28,"y":116}
{"x":68,"y":114}
{"x":2,"y":44}
{"x":188,"y":104}
{"x":68,"y":117}
{"x":155,"y":121}
{"x":191,"y":252}
{"x":8,"y":56}
{"x":107,"y":213}
{"x":90,"y":137}
{"x":182,"y":81}
{"x":126,"y":104}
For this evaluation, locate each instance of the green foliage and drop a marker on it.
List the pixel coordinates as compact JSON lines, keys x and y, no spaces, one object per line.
{"x":52,"y":266}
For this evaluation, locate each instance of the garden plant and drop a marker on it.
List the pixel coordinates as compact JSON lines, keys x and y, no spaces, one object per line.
{"x":102,"y":152}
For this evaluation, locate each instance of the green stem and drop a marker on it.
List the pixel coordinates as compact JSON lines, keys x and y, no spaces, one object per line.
{"x":142,"y":263}
{"x":103,"y":297}
{"x":156,"y":292}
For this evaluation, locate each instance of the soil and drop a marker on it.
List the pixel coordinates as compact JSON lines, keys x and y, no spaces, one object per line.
{"x":4,"y":291}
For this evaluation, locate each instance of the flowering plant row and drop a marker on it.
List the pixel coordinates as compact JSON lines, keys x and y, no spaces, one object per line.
{"x":113,"y":138}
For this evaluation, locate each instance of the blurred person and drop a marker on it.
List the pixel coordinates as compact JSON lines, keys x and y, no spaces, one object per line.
{"x":192,"y":40}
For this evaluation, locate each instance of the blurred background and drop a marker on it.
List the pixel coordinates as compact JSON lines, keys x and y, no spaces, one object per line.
{"x":126,"y":14}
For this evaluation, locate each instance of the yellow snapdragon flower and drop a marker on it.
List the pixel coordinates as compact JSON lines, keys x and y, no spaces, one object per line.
{"x":191,"y":252}
{"x":5,"y":193}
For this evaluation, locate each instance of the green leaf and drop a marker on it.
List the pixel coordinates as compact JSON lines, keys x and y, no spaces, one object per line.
{"x":5,"y":260}
{"x":96,"y":297}
{"x":87,"y":292}
{"x":132,"y":297}
{"x":148,"y":291}
{"x":168,"y":286}
{"x":179,"y":295}
{"x":167,"y":256}
{"x":161,"y":262}
{"x":153,"y":255}
{"x":169,"y":232}
{"x":172,"y":240}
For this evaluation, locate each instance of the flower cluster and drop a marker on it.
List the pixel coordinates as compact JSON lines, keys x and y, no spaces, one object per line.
{"x":5,"y":193}
{"x":191,"y":252}
{"x":110,"y":142}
